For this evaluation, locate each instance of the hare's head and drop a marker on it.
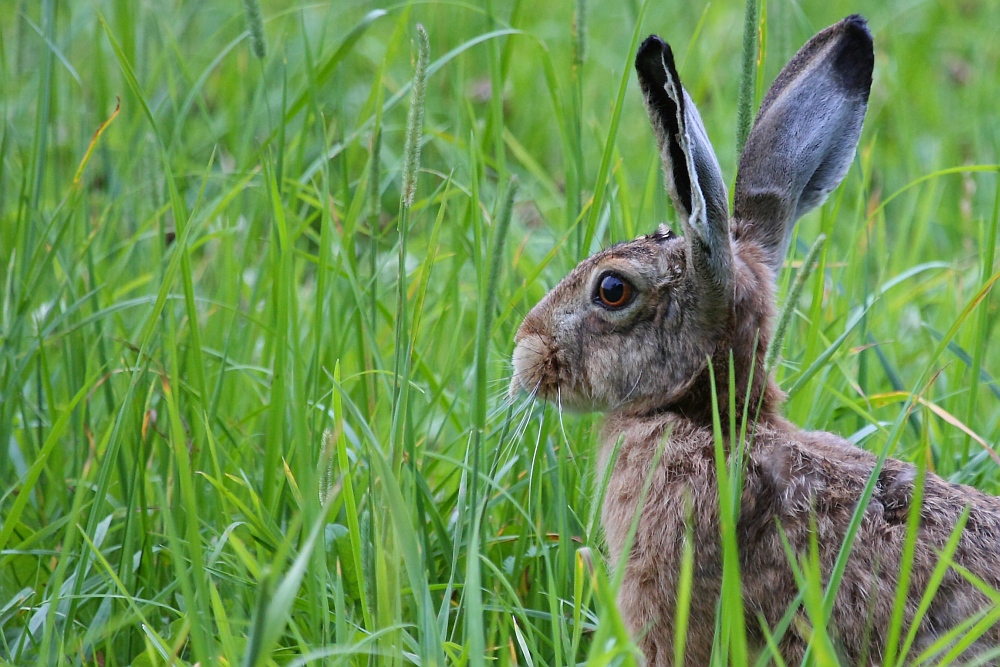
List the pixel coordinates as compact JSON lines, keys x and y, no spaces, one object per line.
{"x":633,"y":328}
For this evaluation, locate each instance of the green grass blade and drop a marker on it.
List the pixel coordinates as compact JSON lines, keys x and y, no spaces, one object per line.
{"x":748,"y":76}
{"x":601,"y":185}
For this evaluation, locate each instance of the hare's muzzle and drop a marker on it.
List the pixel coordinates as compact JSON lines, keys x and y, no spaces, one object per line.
{"x":532,"y":365}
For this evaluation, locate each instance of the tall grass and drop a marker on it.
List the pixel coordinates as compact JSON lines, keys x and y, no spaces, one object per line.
{"x":253,"y":408}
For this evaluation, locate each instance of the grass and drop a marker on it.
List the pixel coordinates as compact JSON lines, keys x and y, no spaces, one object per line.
{"x":252,"y":395}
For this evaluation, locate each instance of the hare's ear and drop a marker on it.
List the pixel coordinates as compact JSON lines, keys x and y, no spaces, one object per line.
{"x":694,"y":179}
{"x":805,"y":135}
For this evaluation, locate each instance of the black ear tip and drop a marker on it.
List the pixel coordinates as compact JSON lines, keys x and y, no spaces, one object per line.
{"x":652,"y":44}
{"x":855,"y":57}
{"x":650,"y":57}
{"x":856,"y":33}
{"x":857,"y":22}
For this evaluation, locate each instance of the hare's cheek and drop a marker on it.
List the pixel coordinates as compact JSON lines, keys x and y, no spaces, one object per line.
{"x":604,"y":372}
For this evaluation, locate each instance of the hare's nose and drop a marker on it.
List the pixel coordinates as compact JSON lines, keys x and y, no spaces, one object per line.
{"x":532,"y":325}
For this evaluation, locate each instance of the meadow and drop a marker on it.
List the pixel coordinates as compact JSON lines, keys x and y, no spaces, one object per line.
{"x":254,"y":344}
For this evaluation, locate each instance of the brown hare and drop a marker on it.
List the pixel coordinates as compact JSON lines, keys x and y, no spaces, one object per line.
{"x":629,"y":332}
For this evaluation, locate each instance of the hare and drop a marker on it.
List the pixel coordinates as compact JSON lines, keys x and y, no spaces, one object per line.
{"x":630,"y":332}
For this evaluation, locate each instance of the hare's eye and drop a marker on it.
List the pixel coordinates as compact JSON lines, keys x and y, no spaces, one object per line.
{"x":613,"y":291}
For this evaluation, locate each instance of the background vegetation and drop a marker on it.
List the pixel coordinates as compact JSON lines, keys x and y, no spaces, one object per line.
{"x":191,"y":299}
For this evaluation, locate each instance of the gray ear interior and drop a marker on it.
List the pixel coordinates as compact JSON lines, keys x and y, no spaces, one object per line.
{"x":694,"y":178}
{"x":805,"y":135}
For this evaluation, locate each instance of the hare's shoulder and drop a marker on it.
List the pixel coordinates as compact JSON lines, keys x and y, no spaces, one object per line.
{"x":814,"y":470}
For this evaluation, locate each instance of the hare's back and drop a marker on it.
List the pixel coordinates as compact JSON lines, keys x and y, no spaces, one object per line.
{"x":816,"y":470}
{"x":812,"y":481}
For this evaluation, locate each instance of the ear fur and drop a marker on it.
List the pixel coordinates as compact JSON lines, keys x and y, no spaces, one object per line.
{"x":694,"y":179}
{"x":805,"y":135}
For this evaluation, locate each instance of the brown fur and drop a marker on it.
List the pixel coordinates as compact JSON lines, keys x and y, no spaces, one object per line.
{"x":708,"y":296}
{"x":795,"y":477}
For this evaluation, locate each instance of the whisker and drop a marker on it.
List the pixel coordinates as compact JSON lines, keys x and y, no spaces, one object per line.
{"x":523,"y":413}
{"x":631,"y":391}
{"x":534,"y":453}
{"x":562,"y":424}
{"x":507,"y":400}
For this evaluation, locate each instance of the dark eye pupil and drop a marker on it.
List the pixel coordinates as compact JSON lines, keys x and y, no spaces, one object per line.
{"x":612,"y":289}
{"x":614,"y":292}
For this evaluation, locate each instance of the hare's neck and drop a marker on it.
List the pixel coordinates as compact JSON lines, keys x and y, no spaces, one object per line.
{"x":746,"y":391}
{"x":737,"y":381}
{"x":751,"y":393}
